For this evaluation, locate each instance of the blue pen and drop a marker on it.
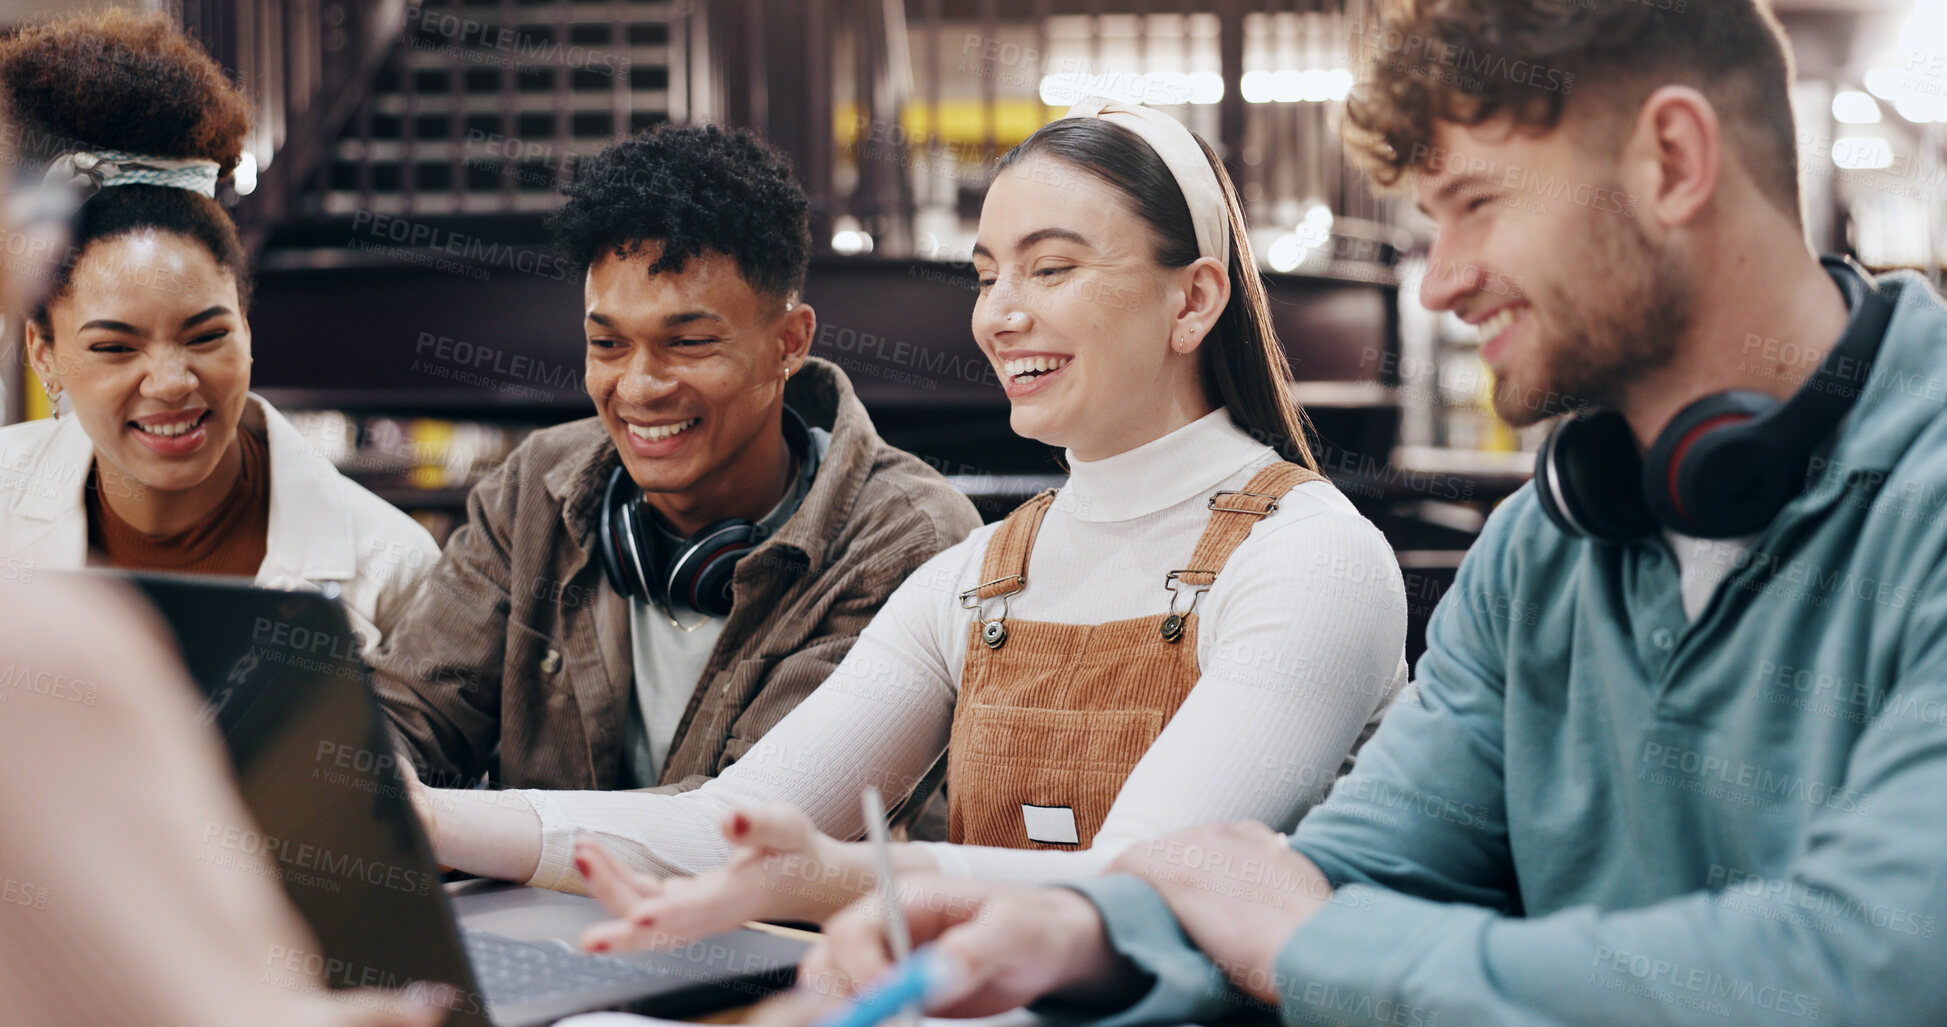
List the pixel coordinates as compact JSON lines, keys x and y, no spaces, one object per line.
{"x":927,"y":973}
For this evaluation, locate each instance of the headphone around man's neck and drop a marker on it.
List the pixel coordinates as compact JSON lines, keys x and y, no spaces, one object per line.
{"x":1727,"y":463}
{"x":695,"y":576}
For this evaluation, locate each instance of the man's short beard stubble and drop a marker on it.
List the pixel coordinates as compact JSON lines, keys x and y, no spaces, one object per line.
{"x":1621,"y":324}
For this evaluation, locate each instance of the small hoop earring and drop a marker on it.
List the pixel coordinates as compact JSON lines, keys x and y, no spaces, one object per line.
{"x":53,"y":401}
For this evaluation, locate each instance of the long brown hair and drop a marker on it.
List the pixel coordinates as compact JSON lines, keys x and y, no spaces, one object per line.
{"x":1242,"y":364}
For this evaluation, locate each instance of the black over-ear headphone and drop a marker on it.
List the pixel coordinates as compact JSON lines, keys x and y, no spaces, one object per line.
{"x":1727,"y":463}
{"x":697,"y":575}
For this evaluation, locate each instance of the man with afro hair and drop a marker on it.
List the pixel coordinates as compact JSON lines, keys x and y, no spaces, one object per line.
{"x":638,"y":596}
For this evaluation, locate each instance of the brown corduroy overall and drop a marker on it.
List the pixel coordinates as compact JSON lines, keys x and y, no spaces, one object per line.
{"x":1052,"y":717}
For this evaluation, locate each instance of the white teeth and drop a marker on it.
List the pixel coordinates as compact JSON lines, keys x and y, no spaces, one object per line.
{"x":1026,"y":365}
{"x":661,"y":431}
{"x":170,"y":430}
{"x":1493,"y":326}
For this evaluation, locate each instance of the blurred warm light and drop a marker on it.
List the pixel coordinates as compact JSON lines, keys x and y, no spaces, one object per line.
{"x":1919,"y":109}
{"x":1886,"y":83}
{"x":1913,"y":75}
{"x":1315,"y":229}
{"x":1111,"y":56}
{"x":1319,"y":216}
{"x":1852,"y":107}
{"x":1341,"y":82}
{"x":1286,"y":253}
{"x":1861,"y":153}
{"x":1316,"y":85}
{"x":246,"y":174}
{"x":1923,"y":42}
{"x":849,"y":236}
{"x":1161,"y":89}
{"x":1918,"y":98}
{"x":961,"y":121}
{"x":1289,"y":85}
{"x":1206,"y":87}
{"x":1257,"y":87}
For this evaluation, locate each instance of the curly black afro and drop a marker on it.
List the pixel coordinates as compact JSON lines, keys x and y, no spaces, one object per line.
{"x":691,"y":188}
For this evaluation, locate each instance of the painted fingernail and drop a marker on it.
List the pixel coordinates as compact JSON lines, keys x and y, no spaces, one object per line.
{"x":646,"y":920}
{"x":598,"y":946}
{"x":581,"y":864}
{"x":739,"y":823}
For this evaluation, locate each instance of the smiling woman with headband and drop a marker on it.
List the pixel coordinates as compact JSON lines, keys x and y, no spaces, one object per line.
{"x":164,"y":460}
{"x":1196,"y":627}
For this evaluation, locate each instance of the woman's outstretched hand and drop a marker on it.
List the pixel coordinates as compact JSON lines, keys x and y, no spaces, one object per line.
{"x":784,"y":868}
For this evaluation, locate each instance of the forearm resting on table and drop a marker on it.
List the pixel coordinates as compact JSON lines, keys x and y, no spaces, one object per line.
{"x":841,"y":873}
{"x":907,"y":858}
{"x":497,"y":834}
{"x":490,"y":833}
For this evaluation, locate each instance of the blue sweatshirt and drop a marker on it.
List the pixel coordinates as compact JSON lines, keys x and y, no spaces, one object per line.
{"x":1599,"y":812}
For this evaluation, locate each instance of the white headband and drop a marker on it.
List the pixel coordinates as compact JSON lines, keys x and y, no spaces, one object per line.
{"x":90,"y":172}
{"x":1184,"y":157}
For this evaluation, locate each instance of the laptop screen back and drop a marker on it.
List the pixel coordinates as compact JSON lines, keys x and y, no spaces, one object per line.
{"x":283,"y":683}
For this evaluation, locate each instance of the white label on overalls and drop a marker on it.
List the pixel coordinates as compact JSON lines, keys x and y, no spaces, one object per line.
{"x":1053,"y":824}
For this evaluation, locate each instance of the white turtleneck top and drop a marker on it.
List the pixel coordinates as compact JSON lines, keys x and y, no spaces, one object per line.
{"x":1300,"y":645}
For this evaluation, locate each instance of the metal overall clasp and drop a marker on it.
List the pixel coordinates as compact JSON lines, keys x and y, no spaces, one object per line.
{"x":1173,"y":624}
{"x":993,"y":632}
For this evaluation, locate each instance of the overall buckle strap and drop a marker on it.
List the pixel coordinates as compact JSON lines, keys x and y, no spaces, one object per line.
{"x":1004,"y":570}
{"x":971,"y":598}
{"x":1174,"y":622}
{"x":1233,"y":513}
{"x":1269,"y":506}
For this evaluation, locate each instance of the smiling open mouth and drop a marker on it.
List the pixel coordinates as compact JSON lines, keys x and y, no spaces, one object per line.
{"x":1491,"y":329}
{"x":1027,"y":369}
{"x":662,"y":431}
{"x":171,"y":429}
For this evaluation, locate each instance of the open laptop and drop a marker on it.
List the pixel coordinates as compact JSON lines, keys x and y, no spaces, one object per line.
{"x":283,"y":682}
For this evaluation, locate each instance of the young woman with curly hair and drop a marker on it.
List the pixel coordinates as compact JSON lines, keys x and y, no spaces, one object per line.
{"x":164,"y":460}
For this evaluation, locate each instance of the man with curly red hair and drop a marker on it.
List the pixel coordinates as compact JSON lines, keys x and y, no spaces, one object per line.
{"x":1676,"y":753}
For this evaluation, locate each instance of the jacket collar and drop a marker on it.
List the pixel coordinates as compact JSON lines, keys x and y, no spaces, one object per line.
{"x":64,"y":460}
{"x":311,"y":535}
{"x":823,"y":396}
{"x":1904,"y":393}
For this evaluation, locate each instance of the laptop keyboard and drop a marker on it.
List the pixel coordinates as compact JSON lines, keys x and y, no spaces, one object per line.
{"x":512,"y":971}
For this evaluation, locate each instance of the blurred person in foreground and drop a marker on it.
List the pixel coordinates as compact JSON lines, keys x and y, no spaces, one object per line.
{"x":1677,"y":751}
{"x":111,"y":909}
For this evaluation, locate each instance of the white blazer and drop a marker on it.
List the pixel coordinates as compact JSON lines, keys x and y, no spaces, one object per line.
{"x":323,"y":526}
